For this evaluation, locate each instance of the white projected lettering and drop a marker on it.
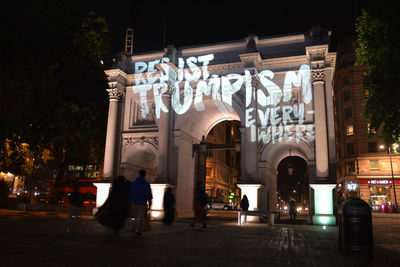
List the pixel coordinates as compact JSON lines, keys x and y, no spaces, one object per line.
{"x":280,"y":111}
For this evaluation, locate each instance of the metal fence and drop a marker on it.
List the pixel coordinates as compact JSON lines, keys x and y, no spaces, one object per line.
{"x":284,"y":217}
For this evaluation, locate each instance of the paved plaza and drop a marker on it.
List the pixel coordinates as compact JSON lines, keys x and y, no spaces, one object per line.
{"x":40,"y":239}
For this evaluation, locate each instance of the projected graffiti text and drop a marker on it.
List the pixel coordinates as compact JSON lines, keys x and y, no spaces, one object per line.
{"x":281,"y":115}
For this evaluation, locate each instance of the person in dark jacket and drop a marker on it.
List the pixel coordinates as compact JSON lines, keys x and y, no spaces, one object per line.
{"x":292,"y":210}
{"x":75,"y":205}
{"x":114,"y":211}
{"x":169,"y":206}
{"x":200,"y":208}
{"x":244,"y":204}
{"x":140,"y":196}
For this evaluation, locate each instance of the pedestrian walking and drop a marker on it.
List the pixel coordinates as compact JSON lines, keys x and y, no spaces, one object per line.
{"x":200,"y":208}
{"x":244,"y":204}
{"x":75,"y":205}
{"x":114,"y":211}
{"x":394,"y":208}
{"x":140,"y":200}
{"x":387,"y":207}
{"x":169,"y":207}
{"x":292,"y":210}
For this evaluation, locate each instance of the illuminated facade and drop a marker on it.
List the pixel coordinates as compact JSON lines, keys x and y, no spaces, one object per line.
{"x":277,"y":88}
{"x":222,"y":166}
{"x":15,"y":182}
{"x":363,"y":168}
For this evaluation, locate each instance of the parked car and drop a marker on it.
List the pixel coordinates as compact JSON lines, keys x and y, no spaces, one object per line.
{"x":218,"y":204}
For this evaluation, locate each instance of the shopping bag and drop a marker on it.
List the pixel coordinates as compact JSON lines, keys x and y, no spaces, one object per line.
{"x":146,"y":222}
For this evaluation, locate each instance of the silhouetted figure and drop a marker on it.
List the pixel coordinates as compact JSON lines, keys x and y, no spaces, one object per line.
{"x":140,"y":195}
{"x":292,"y":210}
{"x":169,"y":207}
{"x":387,"y":207}
{"x":75,"y":205}
{"x":200,"y":208}
{"x":244,"y":204}
{"x":114,"y":211}
{"x":394,"y":208}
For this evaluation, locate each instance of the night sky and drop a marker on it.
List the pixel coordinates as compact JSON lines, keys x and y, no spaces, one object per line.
{"x":202,"y":22}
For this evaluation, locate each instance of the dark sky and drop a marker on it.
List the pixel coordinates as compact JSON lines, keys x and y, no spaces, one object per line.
{"x":201,"y":22}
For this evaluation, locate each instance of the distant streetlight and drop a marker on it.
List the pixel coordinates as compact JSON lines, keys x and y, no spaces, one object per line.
{"x":391,"y":168}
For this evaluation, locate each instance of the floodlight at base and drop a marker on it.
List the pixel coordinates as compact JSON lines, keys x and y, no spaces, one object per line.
{"x":323,"y":204}
{"x":157,"y":209}
{"x":103,"y":190}
{"x":324,"y":219}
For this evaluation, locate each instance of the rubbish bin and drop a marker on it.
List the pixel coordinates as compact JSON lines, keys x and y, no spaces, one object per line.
{"x":355,"y":226}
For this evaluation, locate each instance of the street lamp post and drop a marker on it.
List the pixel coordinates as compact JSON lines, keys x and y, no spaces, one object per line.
{"x":391,"y":168}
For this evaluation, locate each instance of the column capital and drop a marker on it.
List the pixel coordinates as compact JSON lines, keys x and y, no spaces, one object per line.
{"x":318,"y":75}
{"x":323,"y":186}
{"x":251,"y":61}
{"x":252,"y":186}
{"x":115,"y":93}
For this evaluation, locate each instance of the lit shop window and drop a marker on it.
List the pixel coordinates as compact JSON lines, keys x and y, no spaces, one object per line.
{"x":349,"y":129}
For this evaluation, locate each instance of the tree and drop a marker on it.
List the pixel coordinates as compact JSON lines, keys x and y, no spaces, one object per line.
{"x":52,"y":81}
{"x":379,"y":48}
{"x":4,"y":189}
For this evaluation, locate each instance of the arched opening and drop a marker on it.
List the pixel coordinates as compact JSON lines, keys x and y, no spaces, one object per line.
{"x":223,"y":165}
{"x":140,"y":157}
{"x":293,"y":190}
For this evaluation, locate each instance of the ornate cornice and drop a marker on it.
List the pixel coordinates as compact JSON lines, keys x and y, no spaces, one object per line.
{"x":251,"y":60}
{"x":153,"y":141}
{"x":115,"y":73}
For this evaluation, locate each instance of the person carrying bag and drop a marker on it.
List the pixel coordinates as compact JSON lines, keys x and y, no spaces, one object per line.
{"x":140,"y":196}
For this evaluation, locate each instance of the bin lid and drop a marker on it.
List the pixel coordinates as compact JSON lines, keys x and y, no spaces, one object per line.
{"x":355,"y":206}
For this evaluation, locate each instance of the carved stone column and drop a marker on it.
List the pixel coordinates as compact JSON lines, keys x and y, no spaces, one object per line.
{"x":248,"y":152}
{"x":272,"y":184}
{"x":321,"y":138}
{"x":114,"y":95}
{"x":164,"y":133}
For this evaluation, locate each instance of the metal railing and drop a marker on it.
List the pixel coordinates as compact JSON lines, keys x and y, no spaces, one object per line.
{"x":284,"y":217}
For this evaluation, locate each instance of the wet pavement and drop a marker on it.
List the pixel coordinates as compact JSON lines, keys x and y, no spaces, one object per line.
{"x":40,"y":239}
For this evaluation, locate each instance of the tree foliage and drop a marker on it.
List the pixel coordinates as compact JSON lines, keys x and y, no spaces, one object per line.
{"x":52,"y":93}
{"x":378,"y":31}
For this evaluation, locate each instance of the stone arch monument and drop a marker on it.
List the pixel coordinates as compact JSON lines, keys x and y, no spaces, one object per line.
{"x":279,"y":88}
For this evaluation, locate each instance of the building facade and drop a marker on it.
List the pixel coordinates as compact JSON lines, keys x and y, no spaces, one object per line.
{"x":279,"y":89}
{"x":223,"y":166}
{"x":364,"y":166}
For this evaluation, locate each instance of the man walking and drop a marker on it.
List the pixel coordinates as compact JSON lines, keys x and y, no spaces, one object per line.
{"x":140,"y":194}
